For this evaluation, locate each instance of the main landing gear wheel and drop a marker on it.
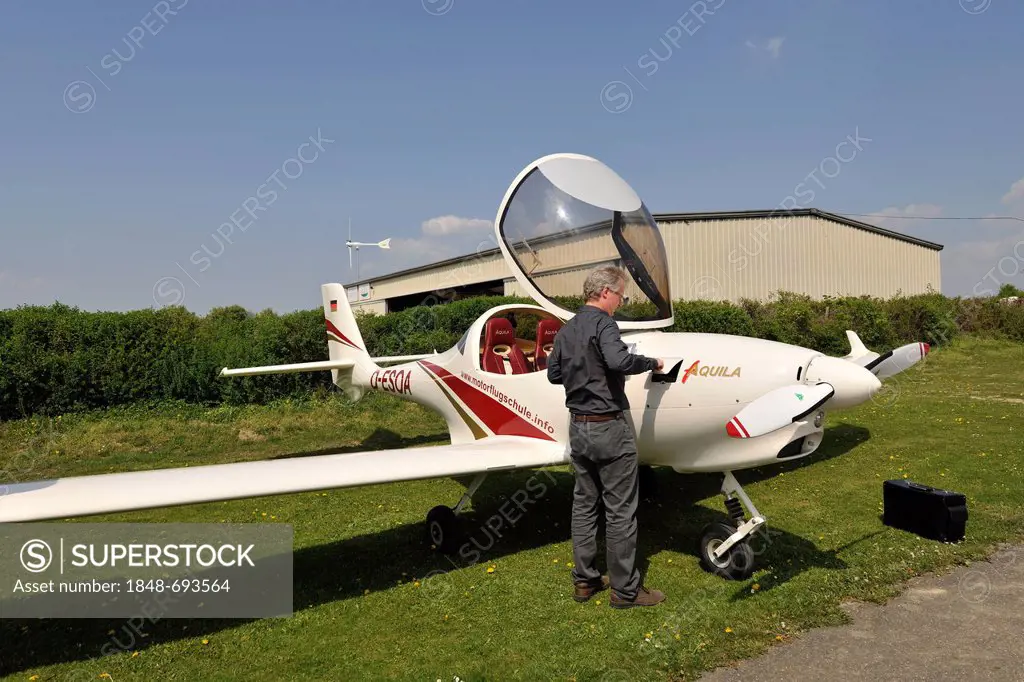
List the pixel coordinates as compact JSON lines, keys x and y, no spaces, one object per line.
{"x":444,"y":526}
{"x":444,"y":529}
{"x":723,"y":548}
{"x":736,"y":564}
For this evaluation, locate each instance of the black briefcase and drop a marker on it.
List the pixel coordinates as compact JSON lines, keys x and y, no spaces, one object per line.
{"x":932,"y":513}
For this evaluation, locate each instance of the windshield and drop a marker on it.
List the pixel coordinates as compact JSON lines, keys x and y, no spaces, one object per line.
{"x":557,"y":239}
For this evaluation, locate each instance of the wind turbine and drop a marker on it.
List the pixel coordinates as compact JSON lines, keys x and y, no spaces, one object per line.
{"x":384,"y":244}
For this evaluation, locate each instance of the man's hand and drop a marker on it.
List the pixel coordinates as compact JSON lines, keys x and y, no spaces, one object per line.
{"x":661,"y":364}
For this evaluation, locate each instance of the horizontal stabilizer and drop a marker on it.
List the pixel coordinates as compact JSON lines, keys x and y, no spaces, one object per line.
{"x":288,"y":369}
{"x":778,"y":408}
{"x":897,"y":360}
{"x":107,"y":493}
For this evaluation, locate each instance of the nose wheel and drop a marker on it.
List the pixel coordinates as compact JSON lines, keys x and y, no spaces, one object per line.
{"x":737,"y":563}
{"x":724,"y":548}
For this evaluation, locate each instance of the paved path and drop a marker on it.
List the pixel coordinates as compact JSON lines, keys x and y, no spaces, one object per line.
{"x":965,"y":625}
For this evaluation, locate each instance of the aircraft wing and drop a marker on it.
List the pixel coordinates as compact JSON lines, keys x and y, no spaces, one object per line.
{"x":318,"y":366}
{"x":288,"y":369}
{"x":887,"y":364}
{"x":106,"y":493}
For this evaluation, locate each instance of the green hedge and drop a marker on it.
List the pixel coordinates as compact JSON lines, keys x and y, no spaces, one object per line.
{"x":59,"y":359}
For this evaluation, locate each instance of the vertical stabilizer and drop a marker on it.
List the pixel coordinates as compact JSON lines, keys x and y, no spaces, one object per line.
{"x":344,"y":342}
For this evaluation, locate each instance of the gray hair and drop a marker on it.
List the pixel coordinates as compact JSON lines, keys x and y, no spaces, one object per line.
{"x":605,"y":276}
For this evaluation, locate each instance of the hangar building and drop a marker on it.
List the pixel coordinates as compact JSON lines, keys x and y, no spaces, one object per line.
{"x":727,"y":255}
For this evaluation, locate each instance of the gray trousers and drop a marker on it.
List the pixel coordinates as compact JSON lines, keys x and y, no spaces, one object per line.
{"x":605,"y":462}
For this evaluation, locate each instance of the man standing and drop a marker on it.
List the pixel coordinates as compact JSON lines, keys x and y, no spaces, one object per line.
{"x":591,"y":361}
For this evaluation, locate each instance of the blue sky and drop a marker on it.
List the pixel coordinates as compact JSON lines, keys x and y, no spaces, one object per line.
{"x":130,"y":132}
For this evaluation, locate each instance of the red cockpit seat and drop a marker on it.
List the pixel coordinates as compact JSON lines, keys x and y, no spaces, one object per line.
{"x":546,"y":331}
{"x":499,"y":344}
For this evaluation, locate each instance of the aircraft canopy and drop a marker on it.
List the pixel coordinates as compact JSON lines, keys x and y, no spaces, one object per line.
{"x":568,"y":214}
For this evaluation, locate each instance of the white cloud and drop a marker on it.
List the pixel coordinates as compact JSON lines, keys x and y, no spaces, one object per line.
{"x":450,"y":224}
{"x":431,"y":249}
{"x":773,"y":46}
{"x":440,"y":238}
{"x":1016,"y":192}
{"x":895,"y":222}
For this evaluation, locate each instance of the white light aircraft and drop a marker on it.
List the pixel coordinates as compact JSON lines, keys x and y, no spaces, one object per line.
{"x":722,"y":403}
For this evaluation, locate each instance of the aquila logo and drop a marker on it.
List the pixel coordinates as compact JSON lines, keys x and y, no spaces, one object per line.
{"x":696,"y":369}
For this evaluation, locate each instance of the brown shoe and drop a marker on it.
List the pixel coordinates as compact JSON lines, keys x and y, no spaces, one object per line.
{"x":644,"y":597}
{"x":585,"y":590}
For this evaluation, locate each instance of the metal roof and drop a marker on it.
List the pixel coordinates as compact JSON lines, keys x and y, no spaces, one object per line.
{"x":780,"y":213}
{"x":683,"y":217}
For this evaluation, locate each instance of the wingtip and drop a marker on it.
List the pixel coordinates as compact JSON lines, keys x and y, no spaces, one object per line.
{"x":857,"y":347}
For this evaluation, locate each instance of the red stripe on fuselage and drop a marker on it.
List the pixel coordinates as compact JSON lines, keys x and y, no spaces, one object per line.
{"x":498,"y":418}
{"x":344,"y":339}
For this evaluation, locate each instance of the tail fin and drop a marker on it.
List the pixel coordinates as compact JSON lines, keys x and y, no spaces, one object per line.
{"x":344,"y":342}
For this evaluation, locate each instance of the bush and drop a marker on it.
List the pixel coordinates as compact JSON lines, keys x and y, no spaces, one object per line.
{"x":59,"y":359}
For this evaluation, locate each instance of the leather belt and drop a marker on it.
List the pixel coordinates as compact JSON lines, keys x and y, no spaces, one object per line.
{"x":596,"y":417}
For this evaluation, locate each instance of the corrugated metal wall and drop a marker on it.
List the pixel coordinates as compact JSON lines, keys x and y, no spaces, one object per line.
{"x":755,"y":257}
{"x":719,"y":259}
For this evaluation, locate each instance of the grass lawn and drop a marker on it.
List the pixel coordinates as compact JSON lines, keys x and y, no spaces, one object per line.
{"x":365,"y":608}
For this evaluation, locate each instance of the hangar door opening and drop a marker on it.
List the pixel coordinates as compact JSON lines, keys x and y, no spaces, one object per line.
{"x":494,"y":287}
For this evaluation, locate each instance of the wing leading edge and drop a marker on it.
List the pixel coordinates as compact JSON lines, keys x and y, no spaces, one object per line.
{"x":107,"y":493}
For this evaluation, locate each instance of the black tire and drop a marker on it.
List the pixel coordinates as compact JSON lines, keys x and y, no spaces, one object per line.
{"x":647,"y":482}
{"x":444,"y":530}
{"x":737,"y":564}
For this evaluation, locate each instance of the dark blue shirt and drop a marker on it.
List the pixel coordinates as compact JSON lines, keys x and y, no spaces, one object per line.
{"x":591,"y":361}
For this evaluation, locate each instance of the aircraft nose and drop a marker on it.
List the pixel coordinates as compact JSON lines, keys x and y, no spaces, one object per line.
{"x":853,"y":383}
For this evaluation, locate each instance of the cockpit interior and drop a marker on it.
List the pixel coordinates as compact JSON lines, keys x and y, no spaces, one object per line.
{"x":518,"y":342}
